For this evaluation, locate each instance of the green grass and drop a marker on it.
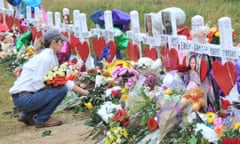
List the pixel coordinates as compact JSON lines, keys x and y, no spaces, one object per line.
{"x":211,"y":10}
{"x":6,"y":81}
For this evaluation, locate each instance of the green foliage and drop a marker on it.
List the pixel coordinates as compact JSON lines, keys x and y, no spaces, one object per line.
{"x":184,"y":133}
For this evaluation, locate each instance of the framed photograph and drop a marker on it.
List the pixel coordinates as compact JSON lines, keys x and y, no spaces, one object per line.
{"x":148,"y":24}
{"x":166,"y":21}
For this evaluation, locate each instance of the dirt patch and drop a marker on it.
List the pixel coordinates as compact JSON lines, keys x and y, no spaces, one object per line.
{"x":73,"y":131}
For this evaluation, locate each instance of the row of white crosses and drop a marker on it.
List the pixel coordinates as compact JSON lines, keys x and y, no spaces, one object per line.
{"x":79,"y":28}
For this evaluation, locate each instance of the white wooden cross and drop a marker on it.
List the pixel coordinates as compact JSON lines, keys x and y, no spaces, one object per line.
{"x":226,"y":40}
{"x":135,"y":33}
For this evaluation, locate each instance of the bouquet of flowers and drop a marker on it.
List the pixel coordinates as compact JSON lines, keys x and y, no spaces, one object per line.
{"x":125,"y":76}
{"x":214,"y":35}
{"x":116,"y":135}
{"x":59,"y":76}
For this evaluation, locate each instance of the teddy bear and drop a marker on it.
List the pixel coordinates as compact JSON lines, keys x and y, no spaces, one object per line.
{"x":195,"y":97}
{"x":147,"y":64}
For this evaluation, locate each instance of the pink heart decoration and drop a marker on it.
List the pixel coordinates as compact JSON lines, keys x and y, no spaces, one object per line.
{"x":225,"y":75}
{"x":133,"y":51}
{"x":151,"y":53}
{"x":203,"y":69}
{"x":83,"y":50}
{"x":113,"y":50}
{"x":98,"y":45}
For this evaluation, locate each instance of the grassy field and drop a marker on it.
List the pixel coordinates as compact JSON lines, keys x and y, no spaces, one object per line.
{"x":211,"y":10}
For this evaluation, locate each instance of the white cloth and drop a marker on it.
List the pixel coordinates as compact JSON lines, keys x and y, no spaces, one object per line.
{"x":34,"y":71}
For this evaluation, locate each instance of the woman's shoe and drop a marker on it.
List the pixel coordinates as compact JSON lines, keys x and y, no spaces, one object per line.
{"x":49,"y":123}
{"x":26,"y":120}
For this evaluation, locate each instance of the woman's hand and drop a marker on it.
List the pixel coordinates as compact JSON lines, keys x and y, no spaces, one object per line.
{"x":80,"y":90}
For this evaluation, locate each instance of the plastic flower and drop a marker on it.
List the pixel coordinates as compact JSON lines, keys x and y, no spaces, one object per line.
{"x":89,"y":105}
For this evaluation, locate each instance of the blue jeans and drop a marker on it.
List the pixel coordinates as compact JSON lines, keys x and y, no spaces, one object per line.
{"x":40,"y":105}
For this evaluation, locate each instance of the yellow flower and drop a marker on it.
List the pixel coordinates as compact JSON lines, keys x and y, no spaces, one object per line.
{"x":210,"y":120}
{"x":210,"y":114}
{"x":213,"y":29}
{"x":88,"y":105}
{"x":168,"y":92}
{"x":124,"y":97}
{"x":123,"y":90}
{"x":237,"y":125}
{"x":217,"y":34}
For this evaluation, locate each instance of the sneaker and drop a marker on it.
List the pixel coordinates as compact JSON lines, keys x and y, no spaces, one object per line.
{"x":27,"y":121}
{"x":49,"y":123}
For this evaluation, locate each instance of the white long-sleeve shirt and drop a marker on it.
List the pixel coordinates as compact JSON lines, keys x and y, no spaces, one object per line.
{"x":34,"y":71}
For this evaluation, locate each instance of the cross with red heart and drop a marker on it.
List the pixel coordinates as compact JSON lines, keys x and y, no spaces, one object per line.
{"x":151,"y":53}
{"x":98,"y":45}
{"x":9,"y":21}
{"x":225,"y":75}
{"x":83,"y":50}
{"x":113,"y":50}
{"x":170,"y":58}
{"x":133,"y":51}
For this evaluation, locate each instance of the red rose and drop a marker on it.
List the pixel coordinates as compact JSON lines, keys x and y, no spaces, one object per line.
{"x":225,"y":104}
{"x":152,"y":124}
{"x":115,"y":93}
{"x":223,"y":115}
{"x":122,"y":117}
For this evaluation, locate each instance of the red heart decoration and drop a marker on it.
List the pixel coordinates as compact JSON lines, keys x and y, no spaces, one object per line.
{"x":9,"y":21}
{"x":225,"y":75}
{"x":151,"y":53}
{"x":83,"y":50}
{"x":39,"y":34}
{"x":34,"y":31}
{"x":98,"y":45}
{"x":203,"y":69}
{"x":113,"y":50}
{"x":18,"y":24}
{"x":1,"y":18}
{"x":170,"y":58}
{"x":133,"y":51}
{"x":25,"y":29}
{"x":73,"y":43}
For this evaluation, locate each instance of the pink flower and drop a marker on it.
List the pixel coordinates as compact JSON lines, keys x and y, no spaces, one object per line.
{"x":123,"y":71}
{"x":217,"y":122}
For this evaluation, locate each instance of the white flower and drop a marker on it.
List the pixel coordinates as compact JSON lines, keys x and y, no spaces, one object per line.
{"x":106,"y":110}
{"x":207,"y":133}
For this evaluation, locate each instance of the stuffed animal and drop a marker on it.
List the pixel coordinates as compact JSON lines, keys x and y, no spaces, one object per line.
{"x":195,"y":97}
{"x":147,"y":64}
